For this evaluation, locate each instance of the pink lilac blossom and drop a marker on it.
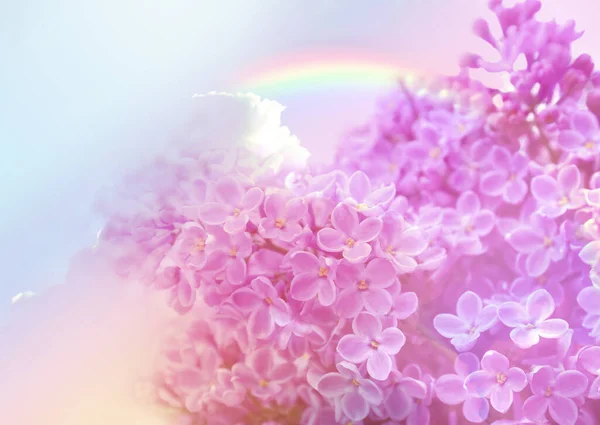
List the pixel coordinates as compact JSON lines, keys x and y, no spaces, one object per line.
{"x":449,"y":255}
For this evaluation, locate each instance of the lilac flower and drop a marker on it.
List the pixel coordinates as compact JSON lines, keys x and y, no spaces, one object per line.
{"x":496,"y":380}
{"x":540,"y":241}
{"x":228,"y":252}
{"x":589,"y":300}
{"x":400,"y":243}
{"x":531,"y":323}
{"x":583,"y":138}
{"x":282,"y":215}
{"x":261,"y":376}
{"x":401,"y":395}
{"x":471,"y":319}
{"x":264,"y":305}
{"x":553,"y":392}
{"x":372,"y":344}
{"x":233,"y":205}
{"x":451,"y":390}
{"x":313,"y":277}
{"x":507,"y":177}
{"x":555,"y":197}
{"x":349,"y":235}
{"x":468,"y":223}
{"x":364,"y":287}
{"x":359,"y":194}
{"x":590,"y":361}
{"x":190,"y":247}
{"x":356,"y":394}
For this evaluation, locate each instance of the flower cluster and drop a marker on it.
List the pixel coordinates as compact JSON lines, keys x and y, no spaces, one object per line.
{"x":450,"y":255}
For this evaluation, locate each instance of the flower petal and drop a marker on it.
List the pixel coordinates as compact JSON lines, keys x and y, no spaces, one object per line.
{"x":476,"y":410}
{"x":380,"y":273}
{"x":349,"y":303}
{"x":569,"y":178}
{"x":492,"y":183}
{"x":468,"y":203}
{"x":304,"y":287}
{"x":570,"y":383}
{"x":552,"y":328}
{"x":468,"y":307}
{"x":333,"y":385}
{"x":391,"y":341}
{"x":405,"y":305}
{"x":494,"y":362}
{"x":359,"y":186}
{"x":368,"y":229}
{"x":563,"y":410}
{"x":377,"y":301}
{"x":570,"y":140}
{"x":379,"y":365}
{"x":516,"y":379}
{"x":213,"y":213}
{"x":545,"y":189}
{"x":589,"y":300}
{"x":331,"y":240}
{"x":367,"y":326}
{"x":512,"y":314}
{"x":535,"y":407}
{"x":502,"y":398}
{"x":480,"y":383}
{"x":260,"y":323}
{"x":449,"y":325}
{"x":354,"y":348}
{"x":370,"y":392}
{"x":524,"y":338}
{"x":450,"y":389}
{"x":355,"y":406}
{"x":590,"y":360}
{"x":537,"y":262}
{"x":245,"y":299}
{"x":252,"y":199}
{"x":524,"y":240}
{"x":539,"y":305}
{"x":398,"y":404}
{"x":344,"y":219}
{"x":304,"y":262}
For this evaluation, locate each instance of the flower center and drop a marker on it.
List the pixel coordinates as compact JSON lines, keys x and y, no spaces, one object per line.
{"x":279,"y":223}
{"x":350,"y":242}
{"x":263,"y":383}
{"x":392,"y":167}
{"x":589,"y":145}
{"x":530,"y":326}
{"x":461,"y":128}
{"x":469,"y":228}
{"x":501,"y":378}
{"x":548,"y":391}
{"x":323,"y":272}
{"x":363,"y":285}
{"x":435,"y":152}
{"x":374,"y":344}
{"x":563,"y":201}
{"x":362,"y":206}
{"x":541,"y":279}
{"x":200,"y":245}
{"x":268,"y":300}
{"x":233,"y":252}
{"x":512,"y":177}
{"x":548,"y":242}
{"x":473,"y":330}
{"x":390,"y":250}
{"x":236,"y":212}
{"x":355,"y":383}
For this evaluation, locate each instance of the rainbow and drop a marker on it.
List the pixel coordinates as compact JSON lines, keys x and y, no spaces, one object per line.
{"x":322,"y":70}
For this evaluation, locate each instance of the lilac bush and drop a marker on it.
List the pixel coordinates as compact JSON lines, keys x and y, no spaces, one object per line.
{"x":444,"y":269}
